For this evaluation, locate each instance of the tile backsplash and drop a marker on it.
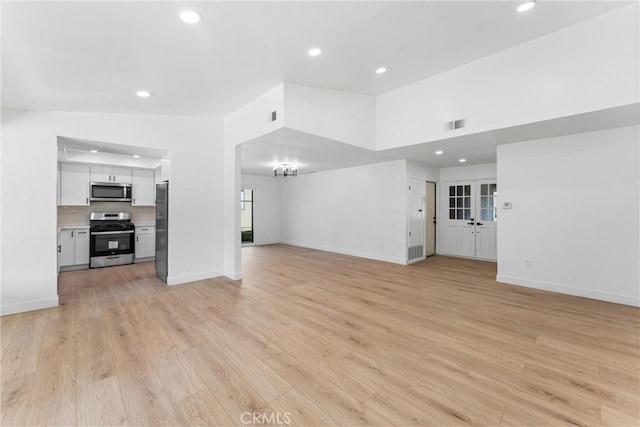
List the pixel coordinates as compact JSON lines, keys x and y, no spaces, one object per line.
{"x":79,"y":215}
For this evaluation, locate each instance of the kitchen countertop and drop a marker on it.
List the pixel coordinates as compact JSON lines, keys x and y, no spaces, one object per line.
{"x":68,"y":227}
{"x":145,"y":224}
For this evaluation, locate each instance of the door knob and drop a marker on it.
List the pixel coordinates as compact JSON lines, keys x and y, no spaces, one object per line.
{"x":479,"y":223}
{"x":470,"y":223}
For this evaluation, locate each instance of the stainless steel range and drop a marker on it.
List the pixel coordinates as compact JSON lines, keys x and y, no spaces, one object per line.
{"x":112,"y":239}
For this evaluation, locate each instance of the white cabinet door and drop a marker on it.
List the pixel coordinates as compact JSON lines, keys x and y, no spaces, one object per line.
{"x":145,"y":242}
{"x":74,"y":184}
{"x":82,"y":246}
{"x":121,"y":175}
{"x":101,"y":174}
{"x":67,"y":248}
{"x":143,"y":188}
{"x":110,"y":174}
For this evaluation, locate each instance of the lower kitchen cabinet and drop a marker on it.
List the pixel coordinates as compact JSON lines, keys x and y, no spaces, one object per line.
{"x":73,"y":247}
{"x":82,"y":246}
{"x":66,"y":248}
{"x":145,"y":242}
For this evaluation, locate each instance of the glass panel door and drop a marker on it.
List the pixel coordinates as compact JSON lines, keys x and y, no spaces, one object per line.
{"x":471,"y":229}
{"x":487,"y":220}
{"x":460,"y":225}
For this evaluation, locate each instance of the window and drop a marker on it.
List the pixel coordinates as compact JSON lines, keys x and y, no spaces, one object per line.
{"x":488,"y":208}
{"x":460,"y":202}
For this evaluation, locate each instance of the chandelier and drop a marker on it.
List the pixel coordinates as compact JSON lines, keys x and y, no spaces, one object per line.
{"x":285,"y":170}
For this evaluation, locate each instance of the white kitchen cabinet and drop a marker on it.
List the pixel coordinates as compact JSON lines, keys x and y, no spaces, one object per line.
{"x":145,"y":242}
{"x":100,"y":173}
{"x":74,"y":184}
{"x":143,"y":188}
{"x":73,"y":247}
{"x":66,"y":248}
{"x":110,"y":174}
{"x":121,"y":175}
{"x":82,"y":246}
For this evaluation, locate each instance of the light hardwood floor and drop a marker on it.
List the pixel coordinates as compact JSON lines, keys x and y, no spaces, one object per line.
{"x":319,"y":339}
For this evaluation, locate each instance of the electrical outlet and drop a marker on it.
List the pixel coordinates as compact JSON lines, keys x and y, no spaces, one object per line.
{"x":527,"y":263}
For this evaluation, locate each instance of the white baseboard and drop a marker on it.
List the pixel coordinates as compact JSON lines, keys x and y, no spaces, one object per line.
{"x":73,"y":267}
{"x":358,"y":254}
{"x":570,"y":290}
{"x":268,"y":242}
{"x":38,"y":304}
{"x":178,"y":280}
{"x":234,"y":276}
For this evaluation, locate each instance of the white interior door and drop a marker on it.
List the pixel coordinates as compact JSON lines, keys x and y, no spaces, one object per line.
{"x":416,"y":219}
{"x":471,"y":229}
{"x":460,"y":229}
{"x":486,"y":220}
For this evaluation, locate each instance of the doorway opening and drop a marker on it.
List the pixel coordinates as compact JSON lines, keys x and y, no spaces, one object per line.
{"x":246,"y":216}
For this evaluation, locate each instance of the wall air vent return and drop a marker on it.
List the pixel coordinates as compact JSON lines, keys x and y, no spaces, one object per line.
{"x":416,"y":252}
{"x":455,"y":124}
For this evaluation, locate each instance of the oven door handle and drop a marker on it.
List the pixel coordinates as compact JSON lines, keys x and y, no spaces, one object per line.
{"x":100,"y":233}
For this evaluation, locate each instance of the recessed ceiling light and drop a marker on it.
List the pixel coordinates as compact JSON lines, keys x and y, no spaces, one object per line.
{"x":439,"y":152}
{"x":526,"y":6}
{"x":94,"y":151}
{"x":136,"y":156}
{"x":315,"y":51}
{"x":143,"y":93}
{"x":190,"y":17}
{"x":462,"y":160}
{"x":381,"y":70}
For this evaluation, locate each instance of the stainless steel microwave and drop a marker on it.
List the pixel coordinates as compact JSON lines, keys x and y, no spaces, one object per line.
{"x":110,"y":192}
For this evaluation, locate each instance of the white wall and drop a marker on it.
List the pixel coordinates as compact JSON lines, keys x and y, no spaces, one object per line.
{"x":29,"y":209}
{"x":455,"y":174}
{"x":254,"y":119}
{"x":341,"y":116}
{"x":359,"y":211}
{"x":248,"y":122}
{"x":469,"y":173}
{"x":590,"y":66}
{"x":422,"y":171}
{"x":575,"y":214}
{"x":266,"y":207}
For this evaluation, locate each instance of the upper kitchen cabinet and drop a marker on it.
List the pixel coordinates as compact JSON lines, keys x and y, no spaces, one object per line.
{"x":143,"y":187}
{"x":74,"y":184}
{"x":110,"y":174}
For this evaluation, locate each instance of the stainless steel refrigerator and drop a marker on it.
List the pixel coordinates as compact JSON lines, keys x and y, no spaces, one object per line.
{"x":162,"y":230}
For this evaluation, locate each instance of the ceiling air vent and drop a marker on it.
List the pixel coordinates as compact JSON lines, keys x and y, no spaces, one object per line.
{"x":455,"y":124}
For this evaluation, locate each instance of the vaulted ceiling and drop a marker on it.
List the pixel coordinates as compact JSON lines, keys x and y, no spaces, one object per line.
{"x":94,"y":56}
